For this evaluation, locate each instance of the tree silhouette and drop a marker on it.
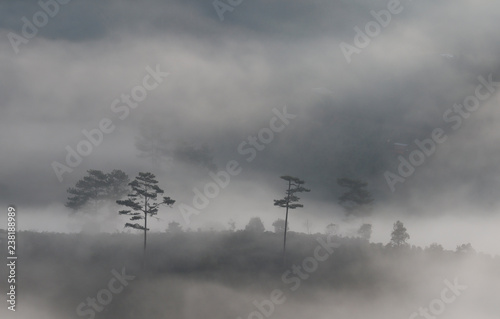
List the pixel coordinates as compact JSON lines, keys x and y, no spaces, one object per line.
{"x":399,"y":235}
{"x":365,"y":231}
{"x":143,"y":201}
{"x":290,"y":201}
{"x":465,"y":249}
{"x":174,"y":227}
{"x":97,"y":188}
{"x":435,"y":248}
{"x":357,"y":201}
{"x":255,"y":225}
{"x":279,"y":226}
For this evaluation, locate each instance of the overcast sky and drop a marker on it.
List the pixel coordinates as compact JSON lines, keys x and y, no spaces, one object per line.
{"x":228,"y":78}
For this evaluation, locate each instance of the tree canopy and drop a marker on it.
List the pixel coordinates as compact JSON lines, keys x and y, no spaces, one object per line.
{"x":399,"y":235}
{"x":97,"y":188}
{"x":290,"y":201}
{"x":255,"y":225}
{"x":143,"y":201}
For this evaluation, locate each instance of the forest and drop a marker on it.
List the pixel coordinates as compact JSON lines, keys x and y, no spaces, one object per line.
{"x":224,"y":274}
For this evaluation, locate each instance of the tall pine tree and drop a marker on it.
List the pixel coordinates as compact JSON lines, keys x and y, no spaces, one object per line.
{"x":143,"y":201}
{"x":290,"y":202}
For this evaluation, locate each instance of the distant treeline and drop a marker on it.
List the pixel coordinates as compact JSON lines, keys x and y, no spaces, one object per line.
{"x":220,"y":255}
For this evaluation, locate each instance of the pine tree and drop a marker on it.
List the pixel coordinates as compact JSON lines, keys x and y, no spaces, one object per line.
{"x":143,"y":202}
{"x":290,"y":201}
{"x":97,"y":188}
{"x":399,"y":235}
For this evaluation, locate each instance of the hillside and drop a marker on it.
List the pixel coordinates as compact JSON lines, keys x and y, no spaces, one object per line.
{"x":222,"y":274}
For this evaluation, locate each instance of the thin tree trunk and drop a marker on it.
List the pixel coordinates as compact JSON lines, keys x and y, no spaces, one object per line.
{"x":286,"y":222}
{"x":145,"y":231}
{"x":284,"y":239}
